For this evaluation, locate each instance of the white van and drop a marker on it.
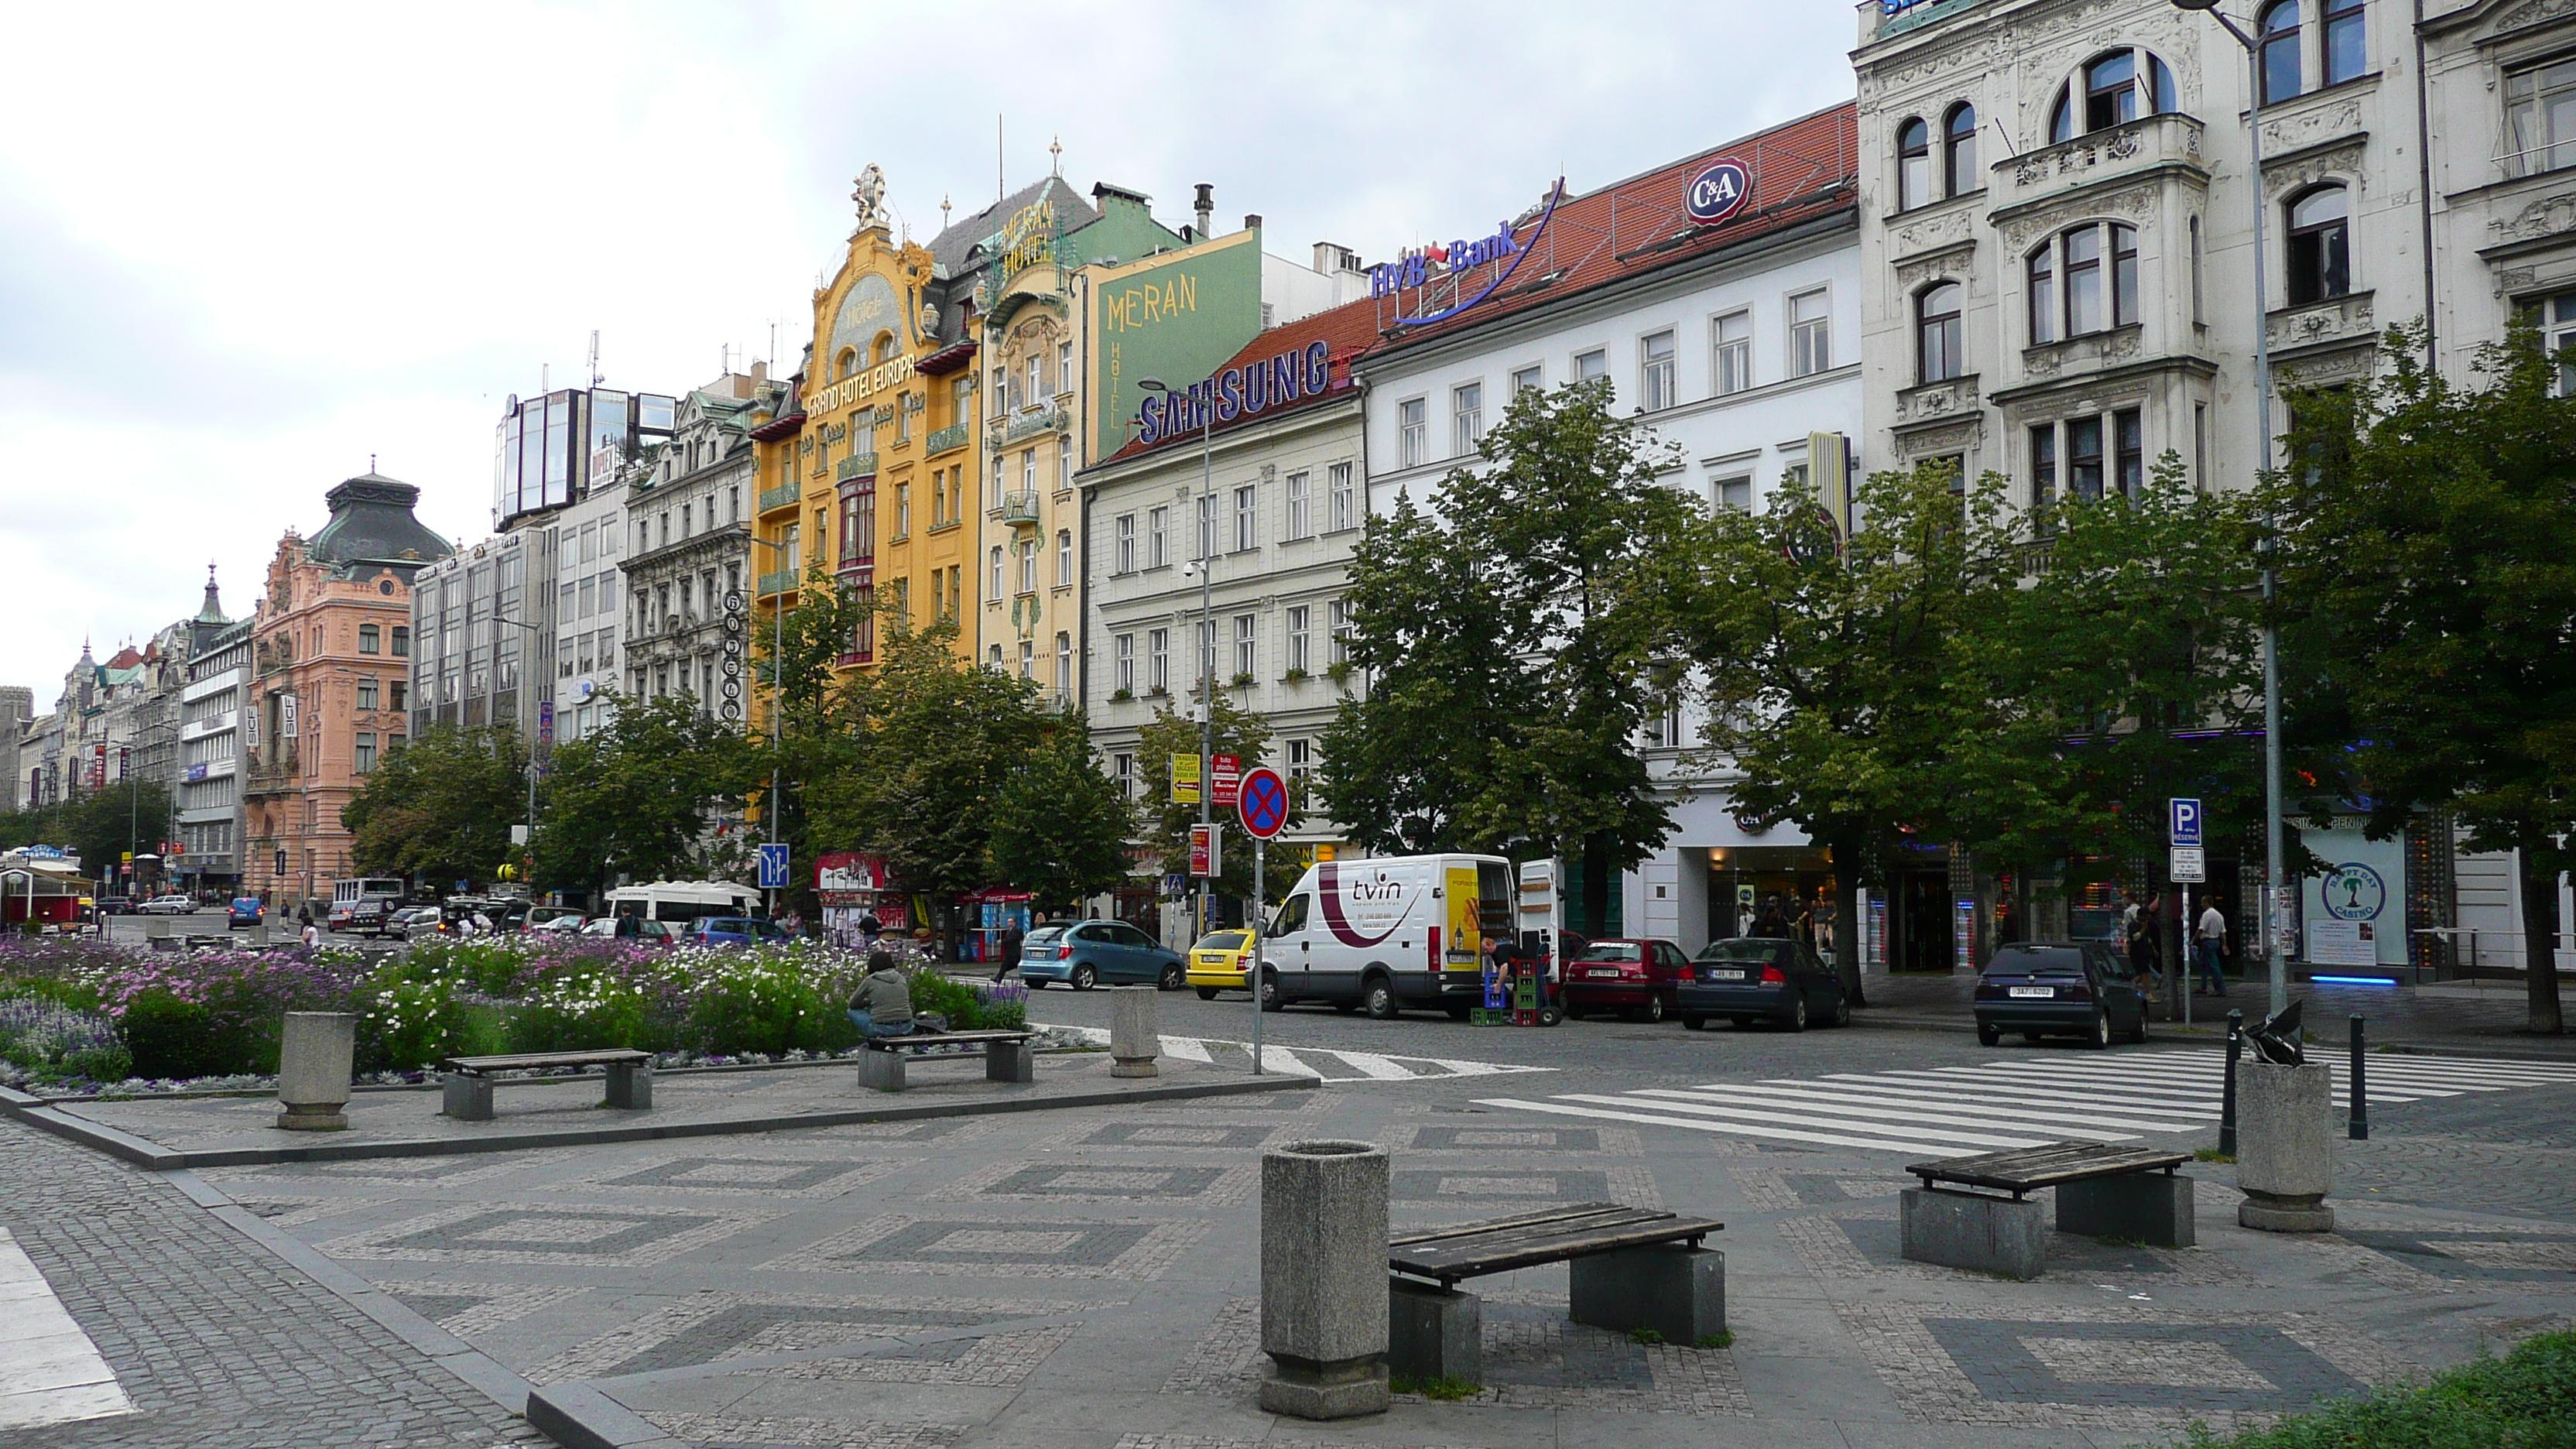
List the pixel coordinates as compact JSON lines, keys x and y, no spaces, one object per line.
{"x":1385,"y":934}
{"x":678,"y":902}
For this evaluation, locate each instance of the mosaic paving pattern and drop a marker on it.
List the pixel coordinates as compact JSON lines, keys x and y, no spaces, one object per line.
{"x":945,"y":1130}
{"x":1634,"y":1186}
{"x":2110,"y":1369}
{"x":1865,"y":1243}
{"x":720,"y":1327}
{"x":1106,"y":1182}
{"x":1503,"y":1141}
{"x":467,"y":1309}
{"x":2495,"y":1255}
{"x":549,"y":1232}
{"x":1166,"y":1136}
{"x":288,"y":1210}
{"x":998,"y":1247}
{"x":454,"y":1168}
{"x":723,"y":1431}
{"x":757,"y":1176}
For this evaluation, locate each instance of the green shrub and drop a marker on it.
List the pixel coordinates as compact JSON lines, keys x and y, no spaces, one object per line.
{"x":2525,"y":1400}
{"x":404,"y":1025}
{"x":166,"y":1037}
{"x":106,"y":1065}
{"x":584,"y":1013}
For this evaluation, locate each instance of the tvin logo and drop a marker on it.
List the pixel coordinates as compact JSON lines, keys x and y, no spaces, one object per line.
{"x":1378,"y":889}
{"x":1718,"y":191}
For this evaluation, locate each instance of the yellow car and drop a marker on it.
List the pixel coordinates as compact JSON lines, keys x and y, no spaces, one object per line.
{"x":1221,"y":961}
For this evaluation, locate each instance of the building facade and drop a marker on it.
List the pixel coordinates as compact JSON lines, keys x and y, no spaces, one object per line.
{"x":330,"y":654}
{"x":208,"y":804}
{"x":688,"y":509}
{"x":17,"y":709}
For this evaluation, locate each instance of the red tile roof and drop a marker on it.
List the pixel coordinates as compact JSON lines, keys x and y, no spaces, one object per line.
{"x":1346,"y":331}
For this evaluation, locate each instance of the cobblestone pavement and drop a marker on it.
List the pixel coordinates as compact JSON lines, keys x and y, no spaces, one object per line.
{"x":218,"y":1344}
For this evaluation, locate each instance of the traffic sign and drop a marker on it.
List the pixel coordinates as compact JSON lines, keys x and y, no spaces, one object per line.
{"x":2190,"y":865}
{"x":1207,"y":853}
{"x":2186,"y":820}
{"x":1185,"y":779}
{"x":1263,"y":803}
{"x":773,"y":867}
{"x":1226,"y":774}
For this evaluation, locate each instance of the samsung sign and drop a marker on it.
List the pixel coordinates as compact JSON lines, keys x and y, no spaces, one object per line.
{"x":1718,"y":191}
{"x":1238,"y":392}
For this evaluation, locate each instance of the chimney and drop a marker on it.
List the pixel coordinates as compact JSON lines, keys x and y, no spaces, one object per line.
{"x":1206,"y":210}
{"x":1331,"y":257}
{"x":1252,"y":221}
{"x":759,"y":375}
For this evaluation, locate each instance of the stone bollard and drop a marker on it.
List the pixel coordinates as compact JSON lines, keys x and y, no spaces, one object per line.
{"x":2285,"y":1146}
{"x":259,"y":933}
{"x":315,"y":1054}
{"x":1135,"y":1032}
{"x":156,"y":929}
{"x":1323,"y":1279}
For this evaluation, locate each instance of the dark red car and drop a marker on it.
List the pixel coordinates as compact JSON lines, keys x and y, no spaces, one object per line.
{"x":1635,"y":976}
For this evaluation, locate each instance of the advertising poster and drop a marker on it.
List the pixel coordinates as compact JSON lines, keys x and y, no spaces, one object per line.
{"x":2356,"y":910}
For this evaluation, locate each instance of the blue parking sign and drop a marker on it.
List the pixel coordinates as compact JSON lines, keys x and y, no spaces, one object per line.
{"x":2186,"y":821}
{"x":773,"y":867}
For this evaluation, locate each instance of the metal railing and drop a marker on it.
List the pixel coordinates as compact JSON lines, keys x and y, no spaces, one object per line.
{"x":778,"y":581}
{"x":782,"y":496}
{"x":1019,"y":507}
{"x":944,"y":439}
{"x":1048,"y":419}
{"x":857,"y":465}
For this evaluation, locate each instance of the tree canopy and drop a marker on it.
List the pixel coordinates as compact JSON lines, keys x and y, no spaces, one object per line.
{"x":441,"y":807}
{"x":641,"y":795}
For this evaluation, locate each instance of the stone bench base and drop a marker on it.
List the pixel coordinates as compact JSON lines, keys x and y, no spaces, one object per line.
{"x":1434,"y":1332}
{"x":881,"y":1069}
{"x":2145,"y":1207}
{"x":467,"y":1096}
{"x":1673,"y":1289}
{"x":1982,"y":1234}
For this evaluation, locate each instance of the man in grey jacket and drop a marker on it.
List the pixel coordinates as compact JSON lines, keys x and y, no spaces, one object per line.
{"x":882,"y":1006}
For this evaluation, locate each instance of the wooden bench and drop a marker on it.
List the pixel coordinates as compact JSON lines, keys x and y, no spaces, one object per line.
{"x":1627,"y":1269}
{"x":1961,"y":1217}
{"x":467,"y":1081}
{"x":1007,"y":1055}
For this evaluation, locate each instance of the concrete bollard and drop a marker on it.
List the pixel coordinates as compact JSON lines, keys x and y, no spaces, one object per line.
{"x":1135,"y":1032}
{"x":315,"y":1054}
{"x":258,"y":933}
{"x":1324,"y":1279}
{"x":2285,"y":1146}
{"x":156,"y":928}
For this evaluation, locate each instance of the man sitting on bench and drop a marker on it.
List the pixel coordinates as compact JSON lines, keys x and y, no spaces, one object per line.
{"x":882,"y":1006}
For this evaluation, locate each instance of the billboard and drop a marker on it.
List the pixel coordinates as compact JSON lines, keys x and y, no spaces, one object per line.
{"x":1176,"y":318}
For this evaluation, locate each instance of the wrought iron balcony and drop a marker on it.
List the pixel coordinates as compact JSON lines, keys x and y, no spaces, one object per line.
{"x":1048,"y":419}
{"x":857,"y":465}
{"x":782,"y":496}
{"x":1020,"y":507}
{"x":946,"y":439}
{"x":778,"y":581}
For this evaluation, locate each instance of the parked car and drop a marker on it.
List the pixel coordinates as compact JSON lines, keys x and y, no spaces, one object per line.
{"x":168,"y":906}
{"x":245,"y":911}
{"x":1634,"y":976}
{"x":1086,"y":953}
{"x":560,"y":920}
{"x":410,"y":921}
{"x":653,"y":931}
{"x":1221,"y":961}
{"x":2043,"y":988}
{"x":730,"y":931}
{"x":1762,"y":978}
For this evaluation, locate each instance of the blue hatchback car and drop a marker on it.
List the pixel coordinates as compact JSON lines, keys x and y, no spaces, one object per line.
{"x":731,"y":931}
{"x":246,"y":911}
{"x":1087,"y":953}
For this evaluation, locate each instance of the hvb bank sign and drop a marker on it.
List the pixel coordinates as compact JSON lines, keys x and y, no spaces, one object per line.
{"x":1271,"y":382}
{"x":1414,"y":270}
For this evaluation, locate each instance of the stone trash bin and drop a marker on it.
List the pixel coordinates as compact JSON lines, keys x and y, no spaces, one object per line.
{"x":1323,"y":1279}
{"x":1135,"y":1031}
{"x":315,"y":1056}
{"x":2285,"y":1146}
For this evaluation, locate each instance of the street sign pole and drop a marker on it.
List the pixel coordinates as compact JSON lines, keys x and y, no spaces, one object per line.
{"x":1260,"y":929}
{"x":1261,"y":803}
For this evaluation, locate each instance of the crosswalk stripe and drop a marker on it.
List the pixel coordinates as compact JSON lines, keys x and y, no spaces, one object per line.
{"x":1326,"y":1064}
{"x":2453,"y":1069}
{"x":1280,"y":1059}
{"x":2180,"y":1116}
{"x":2093,"y":1090}
{"x":1832,"y":1106}
{"x":1731,"y":1129}
{"x":1747,"y":1114}
{"x":2212,"y":1086}
{"x":1376,"y":1067}
{"x":1186,"y":1048}
{"x":2009,"y":1111}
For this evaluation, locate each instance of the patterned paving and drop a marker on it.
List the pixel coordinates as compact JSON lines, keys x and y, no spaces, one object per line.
{"x":904,"y":1335}
{"x":545,"y":1232}
{"x":999,"y":1247}
{"x":747,"y":1175}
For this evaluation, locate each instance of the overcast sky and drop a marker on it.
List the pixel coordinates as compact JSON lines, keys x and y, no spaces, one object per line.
{"x":244,"y":248}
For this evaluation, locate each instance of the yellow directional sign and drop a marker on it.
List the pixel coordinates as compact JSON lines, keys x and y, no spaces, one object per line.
{"x":1185,"y":779}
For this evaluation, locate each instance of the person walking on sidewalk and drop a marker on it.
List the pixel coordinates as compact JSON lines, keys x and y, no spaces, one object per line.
{"x":2211,"y":936}
{"x":2138,"y":932}
{"x":882,"y":1006}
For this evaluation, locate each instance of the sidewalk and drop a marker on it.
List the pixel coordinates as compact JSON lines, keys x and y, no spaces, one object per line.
{"x":2488,"y":1023}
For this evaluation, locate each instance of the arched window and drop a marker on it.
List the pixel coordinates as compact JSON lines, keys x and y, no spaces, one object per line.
{"x":1937,"y":353}
{"x":2344,"y":50}
{"x":1913,"y":164}
{"x":2279,"y":27}
{"x":2320,"y":246}
{"x":885,"y":347}
{"x":2113,"y":89}
{"x":1959,"y":151}
{"x":845,"y":364}
{"x":2084,"y":280}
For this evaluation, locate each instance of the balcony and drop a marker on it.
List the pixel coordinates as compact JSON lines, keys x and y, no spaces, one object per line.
{"x":1020,"y":508}
{"x":857,"y":465}
{"x":949,"y":439}
{"x":269,"y":778}
{"x":2145,"y":147}
{"x":777,"y":581}
{"x":784,"y":495}
{"x":1033,"y":423}
{"x":2344,"y":319}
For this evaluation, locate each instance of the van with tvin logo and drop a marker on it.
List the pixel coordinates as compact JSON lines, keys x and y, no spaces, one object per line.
{"x":1386,"y":934}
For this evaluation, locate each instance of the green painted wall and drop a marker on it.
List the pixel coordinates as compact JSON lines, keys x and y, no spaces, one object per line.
{"x":1176,"y":317}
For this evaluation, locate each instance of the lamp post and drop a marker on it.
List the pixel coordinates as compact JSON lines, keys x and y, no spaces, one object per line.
{"x":1201,"y":527}
{"x":777,"y":686}
{"x":532,"y":744}
{"x":2274,"y":915}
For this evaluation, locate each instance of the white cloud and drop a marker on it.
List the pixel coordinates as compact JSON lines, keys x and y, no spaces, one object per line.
{"x":247,"y":248}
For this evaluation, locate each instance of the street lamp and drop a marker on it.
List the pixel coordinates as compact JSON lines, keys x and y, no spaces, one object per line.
{"x":532,"y":745}
{"x":2274,"y":914}
{"x":777,"y":687}
{"x":1201,"y":526}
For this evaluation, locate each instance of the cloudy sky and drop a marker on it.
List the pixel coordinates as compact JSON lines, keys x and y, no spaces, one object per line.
{"x":242,"y":249}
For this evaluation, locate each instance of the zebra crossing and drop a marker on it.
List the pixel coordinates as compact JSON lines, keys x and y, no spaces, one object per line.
{"x":1325,"y":1064}
{"x":2009,"y":1102}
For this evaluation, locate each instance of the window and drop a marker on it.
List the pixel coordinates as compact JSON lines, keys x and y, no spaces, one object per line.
{"x":688,"y":516}
{"x":402,"y":642}
{"x":1532,"y":378}
{"x":1064,"y":367}
{"x":2320,"y":246}
{"x":1340,"y":616}
{"x":366,"y":694}
{"x":366,"y":753}
{"x":1000,"y":486}
{"x":1029,"y":470}
{"x":2128,"y":454}
{"x":1342,"y":497}
{"x":1301,"y":764}
{"x":1125,"y":554}
{"x":1811,"y":345}
{"x":993,"y":659}
{"x":1122,"y":671}
{"x":2068,"y":287}
{"x":1246,"y":639}
{"x":2344,"y":51}
{"x":2113,"y":90}
{"x":1301,"y":647}
{"x":2083,"y":259}
{"x":1122,"y":768}
{"x":367,"y":637}
{"x":1466,"y":418}
{"x":1028,"y":561}
{"x":2195,"y":271}
{"x":398,"y":695}
{"x":2084,"y":459}
{"x":1731,"y":339}
{"x":1591,"y":365}
{"x":1247,"y":517}
{"x":1158,"y":661}
{"x":733,"y":504}
{"x":903,"y":510}
{"x":1301,"y":508}
{"x":1655,"y":390}
{"x":1037,"y":379}
{"x":1664,"y":730}
{"x":1207,"y":526}
{"x":1735,"y":493}
{"x":1414,"y":429}
{"x":1029,"y":647}
{"x":1158,"y":535}
{"x":2043,"y":467}
{"x":2556,"y":319}
{"x":1959,"y":151}
{"x":2043,"y":296}
{"x":2279,"y":66}
{"x":1913,"y":164}
{"x":1063,"y":665}
{"x":996,"y":590}
{"x":1064,"y":558}
{"x":1207,"y":649}
{"x":1936,"y":333}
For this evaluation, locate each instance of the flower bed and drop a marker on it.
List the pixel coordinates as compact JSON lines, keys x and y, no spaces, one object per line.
{"x":79,"y":1012}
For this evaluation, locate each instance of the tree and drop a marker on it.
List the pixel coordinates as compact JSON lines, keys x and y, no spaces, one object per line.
{"x":441,"y":807}
{"x":2428,"y":602}
{"x":638,"y":795}
{"x":1235,"y":731}
{"x":1552,"y":552}
{"x":132,"y":814}
{"x":1060,"y":823}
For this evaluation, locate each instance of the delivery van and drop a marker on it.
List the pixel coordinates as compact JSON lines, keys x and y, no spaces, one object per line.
{"x":1385,"y":934}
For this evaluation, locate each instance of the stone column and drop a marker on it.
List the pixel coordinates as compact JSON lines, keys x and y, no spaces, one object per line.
{"x":1324,"y":1279}
{"x":315,"y":1055}
{"x":2285,"y":1146}
{"x":1135,"y":1031}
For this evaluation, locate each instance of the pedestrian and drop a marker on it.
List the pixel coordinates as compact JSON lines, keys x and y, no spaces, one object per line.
{"x":482,"y":924}
{"x":304,"y":914}
{"x":2212,"y":935}
{"x":1773,"y":922}
{"x":312,"y":936}
{"x":2138,"y":929}
{"x":869,"y":929}
{"x":1013,"y":939}
{"x":882,"y":1006}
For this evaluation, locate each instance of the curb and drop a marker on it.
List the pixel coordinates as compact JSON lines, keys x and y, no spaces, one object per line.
{"x":578,"y":1416}
{"x":145,"y":1153}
